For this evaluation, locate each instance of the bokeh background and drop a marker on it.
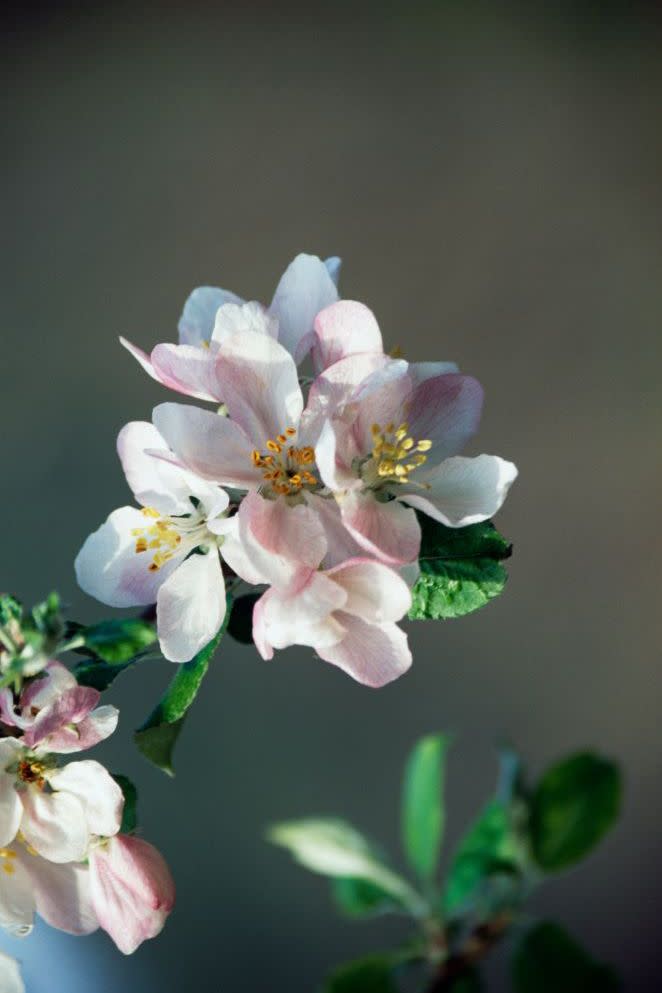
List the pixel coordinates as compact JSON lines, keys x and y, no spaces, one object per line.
{"x":490,"y":175}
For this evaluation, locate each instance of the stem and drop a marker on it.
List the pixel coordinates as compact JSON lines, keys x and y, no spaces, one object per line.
{"x":479,"y":943}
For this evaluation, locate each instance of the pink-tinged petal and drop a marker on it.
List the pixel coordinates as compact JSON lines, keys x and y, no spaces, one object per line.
{"x":79,"y":737}
{"x":97,"y":792}
{"x":132,"y":890}
{"x":191,"y":606}
{"x":463,"y":491}
{"x":42,"y":692}
{"x":260,"y":385}
{"x":339,"y":542}
{"x":212,"y":446}
{"x":304,"y":617}
{"x":374,"y":591}
{"x":188,"y":369}
{"x":381,"y":528}
{"x":11,"y":810}
{"x":54,"y":824}
{"x":17,"y":901}
{"x":11,"y":980}
{"x":345,"y":328}
{"x":71,"y":707}
{"x":247,"y":317}
{"x":109,"y":568}
{"x":334,"y":389}
{"x":335,"y":452}
{"x":142,"y":358}
{"x":372,"y":654}
{"x":197,"y":321}
{"x":420,"y":371}
{"x":62,"y":893}
{"x":305,"y":288}
{"x":280,"y":541}
{"x":8,"y":714}
{"x":445,"y":410}
{"x":380,"y":399}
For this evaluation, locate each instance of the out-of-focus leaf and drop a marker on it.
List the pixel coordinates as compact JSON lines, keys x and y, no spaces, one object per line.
{"x":10,"y":609}
{"x":373,"y":974}
{"x":118,"y":641}
{"x":548,"y":960}
{"x":129,"y":813}
{"x":468,"y":982}
{"x":572,"y":808}
{"x":360,"y":898}
{"x":334,"y":848}
{"x":240,"y":625}
{"x":461,"y":569}
{"x":423,"y":804}
{"x":156,"y":738}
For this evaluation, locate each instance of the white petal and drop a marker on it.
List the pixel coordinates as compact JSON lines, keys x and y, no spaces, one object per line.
{"x":100,"y":796}
{"x":154,"y":483}
{"x":17,"y":901}
{"x":333,"y":266}
{"x":191,"y":607}
{"x":340,"y":543}
{"x":62,"y":893}
{"x":305,"y":288}
{"x":187,"y":369}
{"x":381,"y":528}
{"x":463,"y":491}
{"x":260,"y":385}
{"x":247,"y":317}
{"x":345,"y":328}
{"x":142,"y":358}
{"x":109,"y":568}
{"x":197,"y":321}
{"x":55,"y":825}
{"x":370,"y":653}
{"x":11,"y":810}
{"x":10,"y":975}
{"x":374,"y":591}
{"x":280,"y":542}
{"x":304,"y":617}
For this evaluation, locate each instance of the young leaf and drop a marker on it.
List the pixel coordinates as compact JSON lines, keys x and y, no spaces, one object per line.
{"x":423,"y":804}
{"x":129,"y":814}
{"x":118,"y":641}
{"x":359,"y":898}
{"x":97,"y":674}
{"x":461,"y":569}
{"x":333,"y":848}
{"x":548,"y":960}
{"x":373,"y":974}
{"x":573,"y":806}
{"x":10,"y":609}
{"x":491,"y":848}
{"x":156,"y":738}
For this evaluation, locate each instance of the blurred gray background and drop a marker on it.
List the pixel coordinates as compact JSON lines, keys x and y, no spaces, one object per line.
{"x":490,"y":175}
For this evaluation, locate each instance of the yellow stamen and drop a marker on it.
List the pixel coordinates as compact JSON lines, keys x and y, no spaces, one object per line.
{"x":395,"y":454}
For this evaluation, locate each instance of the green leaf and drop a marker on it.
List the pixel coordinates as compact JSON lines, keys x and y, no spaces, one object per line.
{"x":461,"y":569}
{"x":491,"y":848}
{"x":240,"y":626}
{"x":548,"y":960}
{"x":10,"y":609}
{"x":129,"y":813}
{"x":423,"y":804}
{"x":334,"y":848}
{"x":373,"y":974}
{"x":47,"y":618}
{"x":118,"y":641}
{"x":360,"y":898}
{"x":157,"y":737}
{"x":573,"y":806}
{"x":98,"y":674}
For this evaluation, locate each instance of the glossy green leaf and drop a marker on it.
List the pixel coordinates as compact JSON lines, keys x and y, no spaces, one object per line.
{"x":118,"y":641}
{"x":157,"y":737}
{"x":572,"y":808}
{"x":423,"y":804}
{"x":548,"y":960}
{"x":129,"y":813}
{"x":98,"y":674}
{"x":373,"y":974}
{"x":334,"y":848}
{"x":461,"y":569}
{"x":240,"y":625}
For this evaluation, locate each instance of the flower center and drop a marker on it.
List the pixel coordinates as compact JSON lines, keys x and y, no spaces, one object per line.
{"x":7,"y":857}
{"x":164,"y":536}
{"x":283,"y":464}
{"x":31,"y":771}
{"x":394,"y":455}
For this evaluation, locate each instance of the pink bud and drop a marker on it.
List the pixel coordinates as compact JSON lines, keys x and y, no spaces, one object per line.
{"x":132,"y":890}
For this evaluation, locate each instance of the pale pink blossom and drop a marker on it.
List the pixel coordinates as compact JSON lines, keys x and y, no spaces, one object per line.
{"x":306,"y":287}
{"x":132,"y":889}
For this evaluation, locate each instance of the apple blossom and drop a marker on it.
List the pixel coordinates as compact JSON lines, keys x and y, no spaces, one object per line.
{"x":167,"y":552}
{"x":307,"y":286}
{"x":10,"y":975}
{"x":132,"y":889}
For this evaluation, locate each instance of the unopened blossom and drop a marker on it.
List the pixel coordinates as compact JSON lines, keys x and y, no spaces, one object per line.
{"x":390,"y":445}
{"x":29,"y":884}
{"x":347,"y":613}
{"x":55,"y":808}
{"x":55,"y":714}
{"x":307,"y":286}
{"x":11,"y":980}
{"x":132,"y":889}
{"x":165,"y":552}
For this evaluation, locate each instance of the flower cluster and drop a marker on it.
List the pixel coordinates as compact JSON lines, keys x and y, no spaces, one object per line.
{"x":313,"y":494}
{"x":62,"y":851}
